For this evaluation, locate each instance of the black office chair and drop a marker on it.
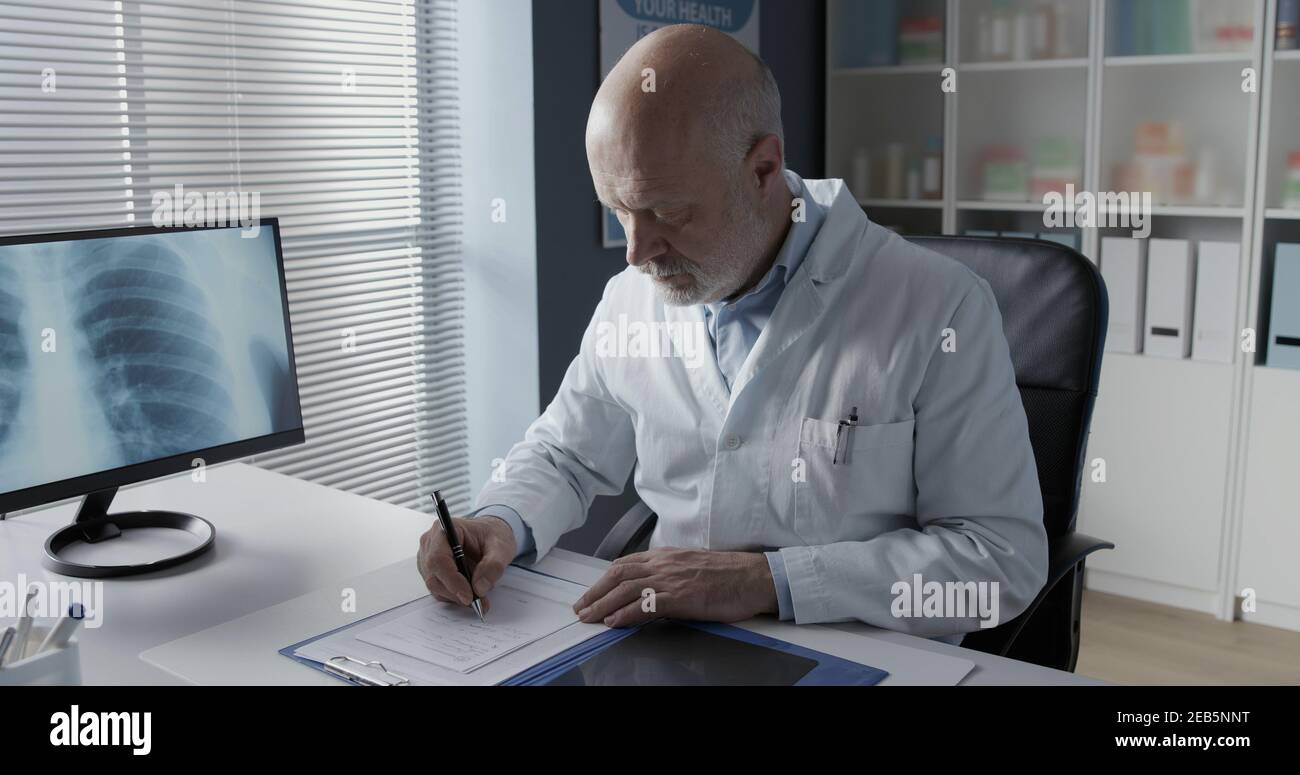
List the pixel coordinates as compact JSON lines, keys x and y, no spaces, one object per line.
{"x":1054,"y":309}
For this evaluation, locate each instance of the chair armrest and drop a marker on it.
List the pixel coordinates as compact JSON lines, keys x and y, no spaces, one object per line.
{"x":1067,"y":551}
{"x":630,"y":530}
{"x":1063,"y":554}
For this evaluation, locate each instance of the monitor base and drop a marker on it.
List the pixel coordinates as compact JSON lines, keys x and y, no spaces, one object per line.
{"x":94,"y":525}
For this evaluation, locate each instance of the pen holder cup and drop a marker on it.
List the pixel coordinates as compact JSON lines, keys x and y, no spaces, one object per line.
{"x":56,"y":667}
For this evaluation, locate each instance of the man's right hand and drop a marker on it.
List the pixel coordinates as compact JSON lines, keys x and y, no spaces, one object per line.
{"x":489,"y":548}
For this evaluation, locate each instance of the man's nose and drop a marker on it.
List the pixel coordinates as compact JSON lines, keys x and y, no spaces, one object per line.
{"x":644,"y":244}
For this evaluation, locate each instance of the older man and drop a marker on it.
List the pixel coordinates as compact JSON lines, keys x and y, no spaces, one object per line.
{"x":855,"y":430}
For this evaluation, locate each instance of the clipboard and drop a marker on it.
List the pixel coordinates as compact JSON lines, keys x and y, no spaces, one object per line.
{"x":361,"y":672}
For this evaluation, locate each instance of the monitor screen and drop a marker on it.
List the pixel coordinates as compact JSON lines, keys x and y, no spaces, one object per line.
{"x":139,"y":346}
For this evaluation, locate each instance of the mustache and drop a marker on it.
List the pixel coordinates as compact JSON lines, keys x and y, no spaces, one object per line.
{"x":665,"y":267}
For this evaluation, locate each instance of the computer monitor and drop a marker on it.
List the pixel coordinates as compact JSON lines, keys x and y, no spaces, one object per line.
{"x":131,"y":354}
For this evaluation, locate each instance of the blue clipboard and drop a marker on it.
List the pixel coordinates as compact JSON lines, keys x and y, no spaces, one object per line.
{"x":372,"y":674}
{"x":829,"y":671}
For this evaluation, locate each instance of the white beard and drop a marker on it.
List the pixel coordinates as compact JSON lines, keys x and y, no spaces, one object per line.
{"x":739,"y":249}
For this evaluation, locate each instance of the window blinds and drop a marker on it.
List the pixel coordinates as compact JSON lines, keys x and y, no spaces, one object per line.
{"x":341,"y":116}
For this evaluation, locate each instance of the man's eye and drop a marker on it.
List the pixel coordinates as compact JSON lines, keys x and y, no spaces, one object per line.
{"x":672,"y":217}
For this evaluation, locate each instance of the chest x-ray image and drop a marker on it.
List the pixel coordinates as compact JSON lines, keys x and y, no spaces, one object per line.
{"x":120,"y":350}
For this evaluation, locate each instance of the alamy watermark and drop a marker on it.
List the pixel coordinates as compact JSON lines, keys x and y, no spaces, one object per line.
{"x":51,"y":599}
{"x":208,"y":208}
{"x":653,"y":339}
{"x":946,"y":600}
{"x":1104,"y":209}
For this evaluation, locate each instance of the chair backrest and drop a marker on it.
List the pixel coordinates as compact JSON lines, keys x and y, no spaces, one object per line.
{"x":1054,"y":309}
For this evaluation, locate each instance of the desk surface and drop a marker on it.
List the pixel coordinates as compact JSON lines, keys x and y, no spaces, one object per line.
{"x":279,"y":538}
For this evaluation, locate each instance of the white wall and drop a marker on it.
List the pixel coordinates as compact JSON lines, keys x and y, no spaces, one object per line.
{"x":496,"y":81}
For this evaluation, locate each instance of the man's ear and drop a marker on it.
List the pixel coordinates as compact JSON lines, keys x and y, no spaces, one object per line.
{"x":765,"y":161}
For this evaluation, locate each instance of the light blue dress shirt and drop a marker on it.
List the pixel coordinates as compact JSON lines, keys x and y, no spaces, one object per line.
{"x":734,"y":326}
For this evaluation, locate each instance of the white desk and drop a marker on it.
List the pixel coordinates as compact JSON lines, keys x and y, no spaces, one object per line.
{"x":280,"y":538}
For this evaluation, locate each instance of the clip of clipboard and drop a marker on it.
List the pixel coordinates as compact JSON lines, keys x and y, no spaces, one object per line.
{"x":342,"y":666}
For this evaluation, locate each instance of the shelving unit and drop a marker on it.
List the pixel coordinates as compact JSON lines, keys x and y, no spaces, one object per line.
{"x":1265,"y":523}
{"x":1194,"y":519}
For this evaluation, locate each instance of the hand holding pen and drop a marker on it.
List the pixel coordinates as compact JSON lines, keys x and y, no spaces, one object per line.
{"x":457,"y":550}
{"x":487,"y":547}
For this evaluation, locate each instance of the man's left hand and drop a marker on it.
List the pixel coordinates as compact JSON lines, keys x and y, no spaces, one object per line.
{"x":685,"y":584}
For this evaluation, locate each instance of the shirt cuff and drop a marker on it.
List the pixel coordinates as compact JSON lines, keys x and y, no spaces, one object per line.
{"x":784,"y":600}
{"x":523,"y":534}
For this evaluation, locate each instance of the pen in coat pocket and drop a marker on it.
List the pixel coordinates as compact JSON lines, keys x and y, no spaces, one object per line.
{"x":844,"y":438}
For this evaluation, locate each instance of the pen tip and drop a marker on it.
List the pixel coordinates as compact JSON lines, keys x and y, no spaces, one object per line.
{"x":478,"y":609}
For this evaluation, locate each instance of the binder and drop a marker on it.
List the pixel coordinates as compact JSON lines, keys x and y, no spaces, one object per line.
{"x":1284,"y":316}
{"x":1124,"y":268}
{"x":1171,"y":276}
{"x":1214,"y":327}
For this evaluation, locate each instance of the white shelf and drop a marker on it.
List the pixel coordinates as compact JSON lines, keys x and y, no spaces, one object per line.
{"x":1209,"y":368}
{"x":1278,"y":213}
{"x":919,"y":204}
{"x":1185,"y":211}
{"x":879,"y":70}
{"x":1023,"y":64}
{"x":1292,"y":55}
{"x":1144,"y":60}
{"x":1001,"y":206}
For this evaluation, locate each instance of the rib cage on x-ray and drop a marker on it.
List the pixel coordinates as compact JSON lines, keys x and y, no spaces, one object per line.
{"x":13,"y":352}
{"x":156,"y":361}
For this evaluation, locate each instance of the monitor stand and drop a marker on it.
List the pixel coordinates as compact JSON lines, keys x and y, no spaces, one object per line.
{"x":95,"y":525}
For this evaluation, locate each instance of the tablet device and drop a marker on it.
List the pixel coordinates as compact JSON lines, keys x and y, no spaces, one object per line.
{"x":672,"y":653}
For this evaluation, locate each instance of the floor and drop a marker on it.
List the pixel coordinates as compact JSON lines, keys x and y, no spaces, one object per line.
{"x":1128,"y":641}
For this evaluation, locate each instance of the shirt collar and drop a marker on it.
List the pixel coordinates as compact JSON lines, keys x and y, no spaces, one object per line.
{"x":797,"y":241}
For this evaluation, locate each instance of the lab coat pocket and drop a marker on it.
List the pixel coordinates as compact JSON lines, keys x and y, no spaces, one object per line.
{"x":858,"y":481}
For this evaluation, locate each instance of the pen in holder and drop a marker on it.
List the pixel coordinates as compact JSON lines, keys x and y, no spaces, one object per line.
{"x":59,"y":666}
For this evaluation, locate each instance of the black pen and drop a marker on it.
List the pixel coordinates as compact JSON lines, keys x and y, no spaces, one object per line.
{"x":457,"y":551}
{"x":845,"y":428}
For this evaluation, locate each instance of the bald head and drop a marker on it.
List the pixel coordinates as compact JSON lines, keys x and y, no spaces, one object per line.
{"x":684,"y":143}
{"x":693,"y":83}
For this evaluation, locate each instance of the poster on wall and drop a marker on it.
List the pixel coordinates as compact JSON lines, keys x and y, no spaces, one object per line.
{"x":624,"y":22}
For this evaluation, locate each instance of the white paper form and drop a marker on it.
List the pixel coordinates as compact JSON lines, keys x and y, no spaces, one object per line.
{"x":442,"y":643}
{"x":525,"y":608}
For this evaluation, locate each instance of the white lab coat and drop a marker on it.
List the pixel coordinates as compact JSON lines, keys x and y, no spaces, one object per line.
{"x":941,"y":478}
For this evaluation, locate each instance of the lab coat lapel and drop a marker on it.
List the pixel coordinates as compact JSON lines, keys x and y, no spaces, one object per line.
{"x":804,"y":300}
{"x":799,"y":308}
{"x":706,"y":378}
